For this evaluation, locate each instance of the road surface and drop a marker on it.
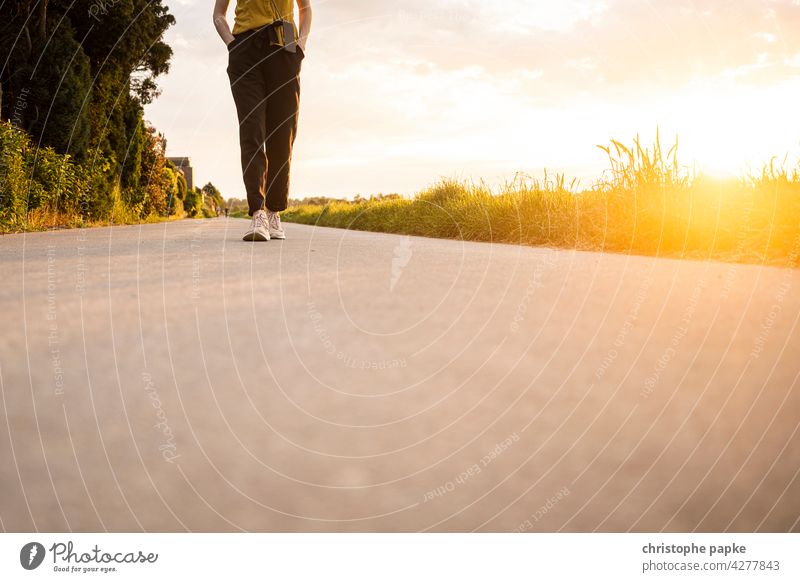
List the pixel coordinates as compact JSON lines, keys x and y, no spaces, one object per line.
{"x":169,"y":377}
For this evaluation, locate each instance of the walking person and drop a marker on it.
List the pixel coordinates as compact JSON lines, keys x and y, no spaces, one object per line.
{"x":265,"y":52}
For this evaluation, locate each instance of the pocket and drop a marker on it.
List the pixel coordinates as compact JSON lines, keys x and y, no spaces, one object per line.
{"x":301,"y":52}
{"x":233,"y":43}
{"x":234,"y":58}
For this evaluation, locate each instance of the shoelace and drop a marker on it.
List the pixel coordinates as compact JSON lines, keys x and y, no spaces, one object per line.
{"x":260,"y":220}
{"x":274,"y":220}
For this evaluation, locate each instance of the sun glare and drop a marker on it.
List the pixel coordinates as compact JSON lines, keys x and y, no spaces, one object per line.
{"x":721,"y":163}
{"x":727,"y":130}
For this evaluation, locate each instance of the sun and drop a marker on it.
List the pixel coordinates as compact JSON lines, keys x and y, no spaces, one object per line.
{"x":728,"y":131}
{"x":717,"y":152}
{"x":720,"y":166}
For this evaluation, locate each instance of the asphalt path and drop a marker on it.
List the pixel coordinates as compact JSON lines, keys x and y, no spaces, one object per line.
{"x":170,"y":377}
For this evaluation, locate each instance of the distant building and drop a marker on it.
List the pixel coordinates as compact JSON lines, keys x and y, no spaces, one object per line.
{"x":184,"y":166}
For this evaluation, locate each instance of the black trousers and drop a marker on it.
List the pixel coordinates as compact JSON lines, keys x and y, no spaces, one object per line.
{"x":265,"y":82}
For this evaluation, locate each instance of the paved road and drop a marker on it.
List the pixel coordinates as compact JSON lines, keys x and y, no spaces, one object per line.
{"x":169,"y":377}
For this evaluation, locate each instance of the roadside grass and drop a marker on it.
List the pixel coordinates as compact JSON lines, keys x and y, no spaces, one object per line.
{"x":645,"y":204}
{"x":47,"y":218}
{"x":51,"y":218}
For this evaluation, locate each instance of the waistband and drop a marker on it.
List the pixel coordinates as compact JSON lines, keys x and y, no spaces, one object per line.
{"x":253,"y":31}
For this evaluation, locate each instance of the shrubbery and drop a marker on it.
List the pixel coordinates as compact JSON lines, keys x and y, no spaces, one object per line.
{"x":42,"y":188}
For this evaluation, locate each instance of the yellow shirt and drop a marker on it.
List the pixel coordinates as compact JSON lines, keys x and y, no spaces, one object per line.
{"x":252,"y":14}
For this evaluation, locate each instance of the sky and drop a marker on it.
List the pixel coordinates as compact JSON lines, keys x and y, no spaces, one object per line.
{"x":396,"y":94}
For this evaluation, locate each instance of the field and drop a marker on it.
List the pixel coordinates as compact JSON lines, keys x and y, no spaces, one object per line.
{"x":646,"y":204}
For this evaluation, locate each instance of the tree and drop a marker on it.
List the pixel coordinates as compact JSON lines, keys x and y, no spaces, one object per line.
{"x":212,"y":193}
{"x":22,"y":33}
{"x":174,"y":202}
{"x":182,"y":186}
{"x":75,"y":75}
{"x":122,"y":44}
{"x":153,"y":180}
{"x":193,"y":202}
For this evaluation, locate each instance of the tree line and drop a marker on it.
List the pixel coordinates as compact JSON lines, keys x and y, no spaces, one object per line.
{"x":74,"y":81}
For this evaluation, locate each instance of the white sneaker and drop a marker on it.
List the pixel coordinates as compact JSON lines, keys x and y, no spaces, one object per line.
{"x":259,"y":230}
{"x":274,"y":224}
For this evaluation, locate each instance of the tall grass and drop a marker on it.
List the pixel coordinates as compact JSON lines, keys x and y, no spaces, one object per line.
{"x":645,"y":203}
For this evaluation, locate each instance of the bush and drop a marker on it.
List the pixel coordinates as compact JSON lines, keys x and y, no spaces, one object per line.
{"x":43,"y":181}
{"x":41,"y":188}
{"x":14,"y":183}
{"x":193,"y":202}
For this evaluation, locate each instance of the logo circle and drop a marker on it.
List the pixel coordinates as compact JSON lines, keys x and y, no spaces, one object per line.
{"x":31,"y":555}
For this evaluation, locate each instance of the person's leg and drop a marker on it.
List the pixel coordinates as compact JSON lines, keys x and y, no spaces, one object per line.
{"x":283,"y":79}
{"x":245,"y":64}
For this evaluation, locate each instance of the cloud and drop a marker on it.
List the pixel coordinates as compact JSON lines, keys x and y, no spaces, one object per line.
{"x":575,"y":45}
{"x":525,"y":17}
